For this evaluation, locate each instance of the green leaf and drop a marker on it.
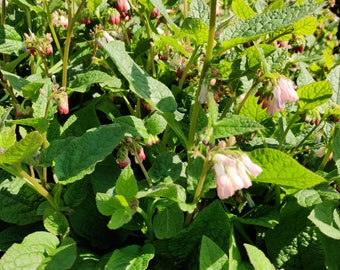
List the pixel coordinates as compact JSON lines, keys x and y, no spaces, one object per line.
{"x":326,"y":217}
{"x":55,"y":222}
{"x":22,"y":149}
{"x":306,"y":26}
{"x":117,"y":207}
{"x":211,"y":222}
{"x":18,"y":202}
{"x":126,"y":184}
{"x":166,"y":165}
{"x":196,"y":29}
{"x":10,"y":40}
{"x":135,"y":126}
{"x":164,"y":41}
{"x":293,"y":243}
{"x":211,"y":255}
{"x":131,"y":257}
{"x":151,"y":90}
{"x":170,"y":191}
{"x":80,"y":156}
{"x":30,"y":253}
{"x":234,"y":125}
{"x":168,"y":221}
{"x":200,"y":10}
{"x":258,"y":259}
{"x":250,"y":29}
{"x":83,"y":81}
{"x":234,"y":253}
{"x":93,"y":4}
{"x":331,"y":249}
{"x":314,"y":94}
{"x":242,"y":10}
{"x":155,"y":124}
{"x":336,"y":146}
{"x":162,"y":10}
{"x":40,"y":124}
{"x":334,"y":78}
{"x":253,"y":111}
{"x":308,"y":197}
{"x":281,"y":169}
{"x":7,"y":137}
{"x":76,"y":192}
{"x":176,"y":127}
{"x":61,"y":258}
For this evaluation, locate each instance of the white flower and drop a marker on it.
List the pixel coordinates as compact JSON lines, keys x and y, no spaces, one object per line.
{"x":232,"y":173}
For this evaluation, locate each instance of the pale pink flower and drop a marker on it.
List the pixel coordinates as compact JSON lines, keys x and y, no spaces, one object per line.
{"x":62,"y":103}
{"x":232,"y":173}
{"x":123,"y":5}
{"x":283,"y":91}
{"x":107,"y":37}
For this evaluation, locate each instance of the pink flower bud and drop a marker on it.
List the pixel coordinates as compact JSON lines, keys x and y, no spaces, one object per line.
{"x":141,"y":154}
{"x":62,"y":103}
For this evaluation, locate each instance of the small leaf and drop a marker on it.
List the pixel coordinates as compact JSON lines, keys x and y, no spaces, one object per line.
{"x":126,"y":184}
{"x":281,"y":169}
{"x":211,"y":255}
{"x":40,"y":124}
{"x":314,"y":94}
{"x":234,"y":125}
{"x":326,"y":217}
{"x":151,"y":90}
{"x":258,"y":259}
{"x":81,"y":154}
{"x":253,"y":111}
{"x":22,"y":149}
{"x":131,"y":257}
{"x":168,"y":221}
{"x":93,"y":4}
{"x":242,"y":10}
{"x":155,"y":123}
{"x":55,"y":222}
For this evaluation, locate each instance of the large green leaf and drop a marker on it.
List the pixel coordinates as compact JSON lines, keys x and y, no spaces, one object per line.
{"x":211,"y":255}
{"x":334,"y":78}
{"x":196,"y":29}
{"x":131,"y":257}
{"x":55,"y":222}
{"x":22,"y":149}
{"x":83,"y":81}
{"x":81,"y":154}
{"x":18,"y":202}
{"x":306,"y":26}
{"x":281,"y":169}
{"x":30,"y":253}
{"x":336,"y":146}
{"x":10,"y":40}
{"x":7,"y":137}
{"x":199,"y":9}
{"x":314,"y":94}
{"x":234,"y":125}
{"x":168,"y":221}
{"x":242,"y":10}
{"x":151,"y":90}
{"x":40,"y":124}
{"x":250,"y":29}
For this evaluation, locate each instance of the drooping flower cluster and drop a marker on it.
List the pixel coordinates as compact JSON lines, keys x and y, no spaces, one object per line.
{"x":283,"y":91}
{"x":42,"y":45}
{"x":232,"y":173}
{"x":127,"y":147}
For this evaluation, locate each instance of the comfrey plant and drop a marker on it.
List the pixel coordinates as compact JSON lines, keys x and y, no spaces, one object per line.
{"x":197,"y":134}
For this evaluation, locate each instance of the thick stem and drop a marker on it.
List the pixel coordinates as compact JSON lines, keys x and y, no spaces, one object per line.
{"x":43,"y":192}
{"x":208,"y":57}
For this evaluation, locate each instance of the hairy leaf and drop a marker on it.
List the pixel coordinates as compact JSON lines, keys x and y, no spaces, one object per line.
{"x":211,"y":255}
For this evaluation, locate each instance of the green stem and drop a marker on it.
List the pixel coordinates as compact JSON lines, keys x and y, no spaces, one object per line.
{"x":329,"y":149}
{"x":187,"y":67}
{"x":208,"y":57}
{"x":239,"y":107}
{"x":71,"y":19}
{"x":290,"y":124}
{"x":147,"y":222}
{"x":197,"y":196}
{"x":32,"y":181}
